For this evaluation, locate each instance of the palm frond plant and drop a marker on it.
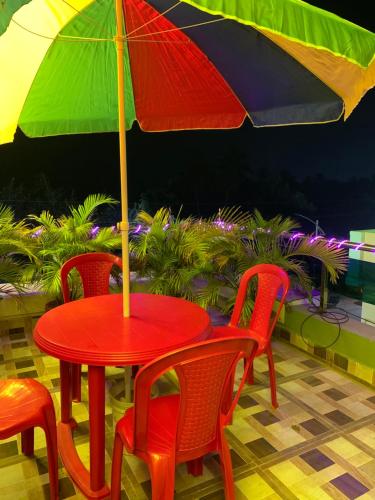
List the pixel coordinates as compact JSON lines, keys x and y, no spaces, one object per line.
{"x":169,"y":252}
{"x":59,"y":239}
{"x":221,"y":233}
{"x":258,"y":240}
{"x":15,"y":251}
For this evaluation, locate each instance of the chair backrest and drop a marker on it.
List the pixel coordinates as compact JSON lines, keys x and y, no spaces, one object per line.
{"x":204,"y":371}
{"x":94,"y":270}
{"x":271,"y":279}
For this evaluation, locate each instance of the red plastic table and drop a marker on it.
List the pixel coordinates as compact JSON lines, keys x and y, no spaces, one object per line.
{"x":93,"y":331}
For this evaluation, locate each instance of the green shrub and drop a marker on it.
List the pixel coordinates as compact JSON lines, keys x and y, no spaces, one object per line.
{"x":16,"y":249}
{"x":169,"y":252}
{"x":203,"y":260}
{"x":253,"y":240}
{"x":59,"y":239}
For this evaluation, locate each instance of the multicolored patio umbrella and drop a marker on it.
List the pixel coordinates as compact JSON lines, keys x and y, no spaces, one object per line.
{"x":191,"y":64}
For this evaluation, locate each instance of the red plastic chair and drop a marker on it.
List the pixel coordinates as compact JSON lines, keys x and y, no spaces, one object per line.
{"x":95,"y":271}
{"x":183,"y":427}
{"x":271,"y":279}
{"x":25,"y":404}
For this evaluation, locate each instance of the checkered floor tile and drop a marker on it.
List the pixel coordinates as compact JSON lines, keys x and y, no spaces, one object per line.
{"x":319,"y":443}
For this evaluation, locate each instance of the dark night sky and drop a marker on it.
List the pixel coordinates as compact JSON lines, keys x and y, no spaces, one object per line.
{"x":339,"y":150}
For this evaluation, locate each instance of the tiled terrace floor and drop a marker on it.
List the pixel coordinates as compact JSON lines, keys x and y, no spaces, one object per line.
{"x":319,"y":444}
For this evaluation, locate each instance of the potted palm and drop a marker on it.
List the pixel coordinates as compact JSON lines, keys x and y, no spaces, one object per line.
{"x":234,"y":246}
{"x":16,"y":251}
{"x":203,"y":260}
{"x":58,"y":239}
{"x":168,"y":253}
{"x":14,"y":247}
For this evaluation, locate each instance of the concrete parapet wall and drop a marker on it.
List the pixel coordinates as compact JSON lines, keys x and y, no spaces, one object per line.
{"x":352,"y":348}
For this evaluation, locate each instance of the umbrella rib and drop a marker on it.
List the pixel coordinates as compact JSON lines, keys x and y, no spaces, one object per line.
{"x":66,"y":38}
{"x":179,"y":28}
{"x":128,"y":37}
{"x":174,"y":42}
{"x":81,"y":13}
{"x":63,"y":37}
{"x":154,"y":19}
{"x":137,"y":38}
{"x":32,"y":32}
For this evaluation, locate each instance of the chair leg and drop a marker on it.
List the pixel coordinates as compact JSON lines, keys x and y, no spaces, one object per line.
{"x":135,"y":370}
{"x":271,"y":369}
{"x":228,"y":396}
{"x":76,"y":383}
{"x":27,"y":441}
{"x":116,"y":468}
{"x":250,"y":373}
{"x":195,"y":467}
{"x":226,"y":468}
{"x":49,"y":428}
{"x":162,"y":471}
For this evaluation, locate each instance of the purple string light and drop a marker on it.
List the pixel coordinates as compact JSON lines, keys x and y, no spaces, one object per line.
{"x":222,"y":225}
{"x":315,"y":238}
{"x":94,"y":231}
{"x":359,"y":246}
{"x":37,"y":233}
{"x":296,"y":235}
{"x":341,"y":243}
{"x":229,"y":227}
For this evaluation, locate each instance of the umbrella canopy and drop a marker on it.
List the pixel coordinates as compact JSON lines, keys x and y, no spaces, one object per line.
{"x":195,"y":64}
{"x":277,"y":62}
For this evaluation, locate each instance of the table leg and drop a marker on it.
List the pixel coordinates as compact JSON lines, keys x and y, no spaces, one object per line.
{"x":91,"y":483}
{"x":128,"y":384}
{"x":66,"y":392}
{"x":97,"y":426}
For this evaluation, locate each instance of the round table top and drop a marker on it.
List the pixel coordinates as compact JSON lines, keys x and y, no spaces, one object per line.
{"x":93,"y":331}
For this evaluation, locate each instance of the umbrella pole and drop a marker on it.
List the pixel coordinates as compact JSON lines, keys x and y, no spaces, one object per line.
{"x":124,"y":224}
